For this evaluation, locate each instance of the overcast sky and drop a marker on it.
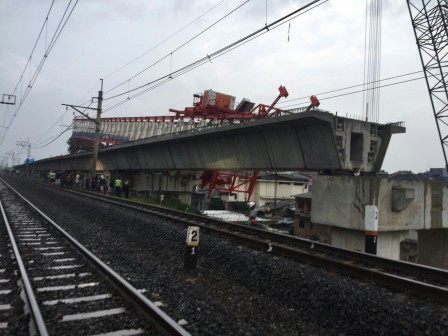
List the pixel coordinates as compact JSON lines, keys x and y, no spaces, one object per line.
{"x":325,"y":52}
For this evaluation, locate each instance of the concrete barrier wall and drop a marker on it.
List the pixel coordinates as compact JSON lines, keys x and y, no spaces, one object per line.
{"x":340,"y":201}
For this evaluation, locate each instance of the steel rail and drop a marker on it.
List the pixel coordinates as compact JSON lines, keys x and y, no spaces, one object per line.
{"x":163,"y":323}
{"x":417,"y":270}
{"x":315,"y":253}
{"x":35,"y":312}
{"x":396,"y":282}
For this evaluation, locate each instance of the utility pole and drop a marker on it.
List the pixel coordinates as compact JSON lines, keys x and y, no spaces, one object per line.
{"x":4,"y":162}
{"x":12,"y":154}
{"x":97,"y":129}
{"x":25,"y":144}
{"x":97,"y":122}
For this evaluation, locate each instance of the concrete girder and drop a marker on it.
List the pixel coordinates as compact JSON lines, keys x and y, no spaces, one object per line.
{"x":313,"y":140}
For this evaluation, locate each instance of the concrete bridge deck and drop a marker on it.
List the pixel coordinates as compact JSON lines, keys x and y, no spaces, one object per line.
{"x":313,"y":140}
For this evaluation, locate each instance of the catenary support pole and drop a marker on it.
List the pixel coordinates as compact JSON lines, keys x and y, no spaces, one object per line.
{"x":97,"y":130}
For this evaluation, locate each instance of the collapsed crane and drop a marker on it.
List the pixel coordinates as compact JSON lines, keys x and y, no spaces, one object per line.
{"x":215,"y":105}
{"x":210,"y":107}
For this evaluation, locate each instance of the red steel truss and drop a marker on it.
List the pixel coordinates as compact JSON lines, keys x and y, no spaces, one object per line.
{"x":229,"y":182}
{"x":209,"y":105}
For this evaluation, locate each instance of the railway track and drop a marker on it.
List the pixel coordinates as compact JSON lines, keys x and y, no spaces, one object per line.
{"x":411,"y":278}
{"x":52,"y":285}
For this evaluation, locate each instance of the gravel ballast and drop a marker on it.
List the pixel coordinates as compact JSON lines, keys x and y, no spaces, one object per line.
{"x":236,"y":290}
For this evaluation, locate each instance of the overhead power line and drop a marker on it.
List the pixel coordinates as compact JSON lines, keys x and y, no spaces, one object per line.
{"x":48,"y":141}
{"x":350,"y":87}
{"x":234,"y":45}
{"x":223,"y":51}
{"x":166,"y":39}
{"x":216,"y":54}
{"x":34,"y":48}
{"x":352,"y":92}
{"x":146,"y":52}
{"x":52,"y":139}
{"x":178,"y":48}
{"x":68,"y":12}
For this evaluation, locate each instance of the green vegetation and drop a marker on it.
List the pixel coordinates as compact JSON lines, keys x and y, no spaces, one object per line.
{"x":168,"y":203}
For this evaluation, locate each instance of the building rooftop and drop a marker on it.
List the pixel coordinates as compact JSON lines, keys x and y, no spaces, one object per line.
{"x":296,"y":177}
{"x":434,"y":174}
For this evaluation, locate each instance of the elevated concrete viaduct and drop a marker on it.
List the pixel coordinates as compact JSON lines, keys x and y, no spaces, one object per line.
{"x":313,"y":141}
{"x":406,"y":209}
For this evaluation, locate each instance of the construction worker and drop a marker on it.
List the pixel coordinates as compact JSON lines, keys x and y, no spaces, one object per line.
{"x":52,"y":176}
{"x":103,"y":184}
{"x":253,"y":216}
{"x":126,"y":187}
{"x":118,"y":185}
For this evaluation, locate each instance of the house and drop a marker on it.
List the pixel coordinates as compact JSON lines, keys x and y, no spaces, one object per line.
{"x":272,"y":187}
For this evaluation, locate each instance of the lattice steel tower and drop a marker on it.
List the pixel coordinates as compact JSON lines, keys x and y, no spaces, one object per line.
{"x":429,"y":20}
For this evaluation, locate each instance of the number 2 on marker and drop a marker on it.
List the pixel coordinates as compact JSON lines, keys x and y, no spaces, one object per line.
{"x":193,"y":236}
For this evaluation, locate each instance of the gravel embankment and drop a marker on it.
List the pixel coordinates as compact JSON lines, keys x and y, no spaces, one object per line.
{"x":236,"y":291}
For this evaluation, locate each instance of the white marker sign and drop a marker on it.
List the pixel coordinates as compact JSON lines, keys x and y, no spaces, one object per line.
{"x":193,"y":236}
{"x":371,"y":220}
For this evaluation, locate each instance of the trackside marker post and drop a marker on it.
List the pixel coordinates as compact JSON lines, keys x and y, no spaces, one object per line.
{"x":191,"y":252}
{"x":371,"y":228}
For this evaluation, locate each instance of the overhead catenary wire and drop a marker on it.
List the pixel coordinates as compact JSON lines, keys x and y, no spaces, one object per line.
{"x":340,"y":95}
{"x":335,"y":96}
{"x":65,"y":111}
{"x":354,"y":92}
{"x":110,"y":74}
{"x":3,"y":131}
{"x":221,"y":51}
{"x":351,"y":87}
{"x":52,"y":139}
{"x":68,"y":12}
{"x":47,"y":51}
{"x":34,"y":47}
{"x":87,"y":93}
{"x":170,"y":54}
{"x":149,"y":50}
{"x":51,"y":127}
{"x":55,"y":137}
{"x":167,"y":79}
{"x":46,"y":142}
{"x":163,"y":41}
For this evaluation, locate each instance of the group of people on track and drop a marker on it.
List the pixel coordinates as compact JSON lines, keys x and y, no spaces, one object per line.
{"x":116,"y":186}
{"x":100,"y":183}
